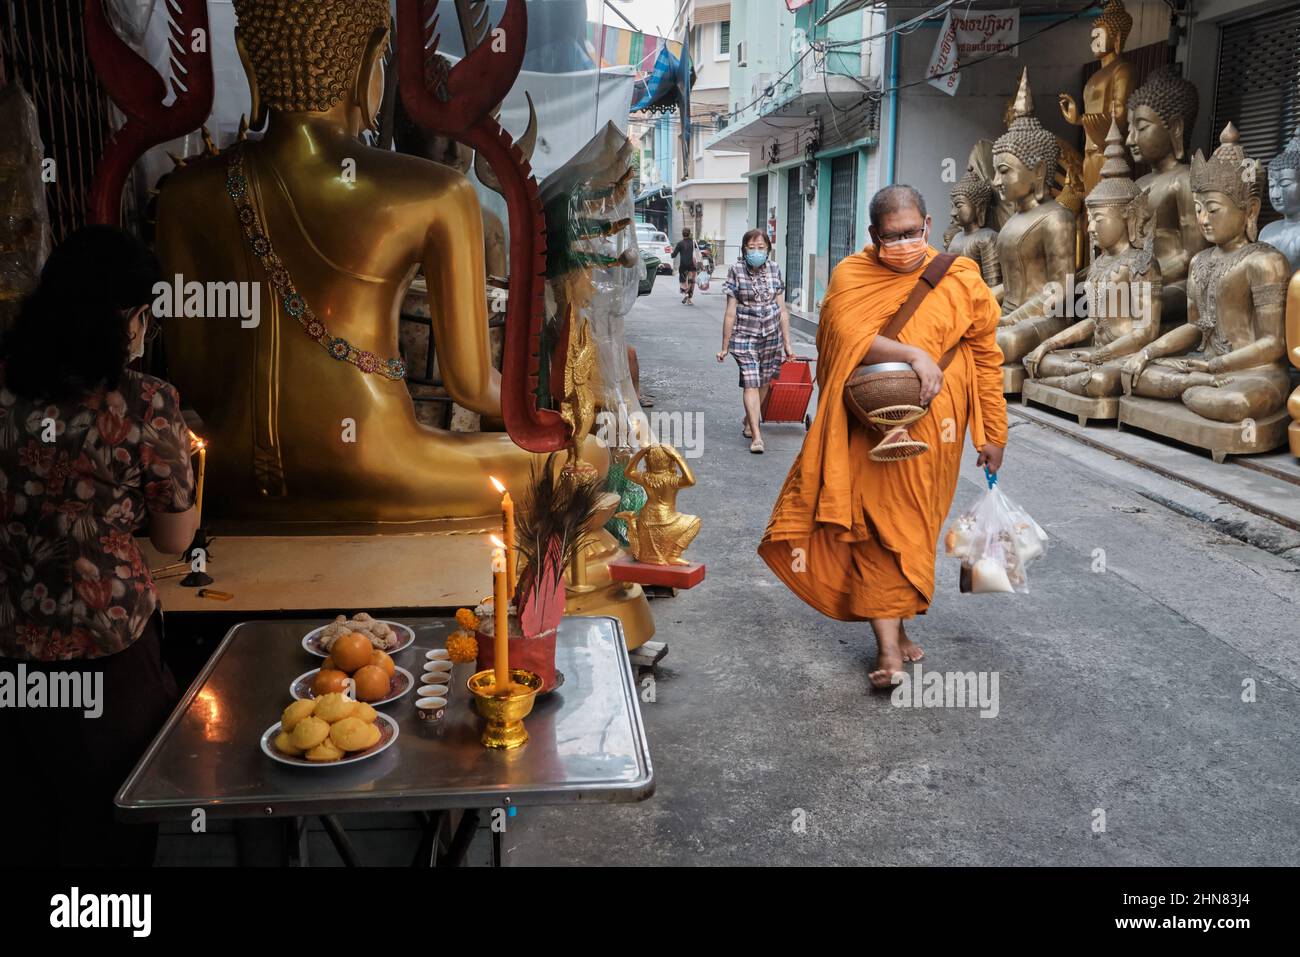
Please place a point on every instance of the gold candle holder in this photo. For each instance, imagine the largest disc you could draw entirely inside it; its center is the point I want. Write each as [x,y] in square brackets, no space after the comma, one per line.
[505,713]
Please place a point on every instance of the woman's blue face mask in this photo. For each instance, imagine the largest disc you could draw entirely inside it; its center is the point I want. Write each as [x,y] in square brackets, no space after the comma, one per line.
[755,257]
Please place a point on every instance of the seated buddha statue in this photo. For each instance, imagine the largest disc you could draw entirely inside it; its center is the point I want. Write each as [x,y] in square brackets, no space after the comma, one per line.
[1227,363]
[1105,95]
[1036,246]
[307,414]
[974,240]
[1162,112]
[1123,289]
[1284,195]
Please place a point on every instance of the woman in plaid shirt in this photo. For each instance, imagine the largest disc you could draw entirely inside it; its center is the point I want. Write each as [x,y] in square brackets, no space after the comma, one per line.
[756,330]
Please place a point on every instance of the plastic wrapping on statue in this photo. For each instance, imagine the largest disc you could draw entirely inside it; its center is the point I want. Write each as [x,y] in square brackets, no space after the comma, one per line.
[24,221]
[996,540]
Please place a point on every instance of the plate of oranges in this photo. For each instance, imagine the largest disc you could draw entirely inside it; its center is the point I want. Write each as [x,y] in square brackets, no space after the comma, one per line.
[365,673]
[329,730]
[313,644]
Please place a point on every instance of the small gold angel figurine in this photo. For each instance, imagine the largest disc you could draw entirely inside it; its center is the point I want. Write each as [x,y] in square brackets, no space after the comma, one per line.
[660,533]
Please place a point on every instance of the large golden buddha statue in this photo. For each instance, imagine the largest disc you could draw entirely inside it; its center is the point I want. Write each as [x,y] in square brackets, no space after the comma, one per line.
[1293,351]
[1105,95]
[1162,112]
[309,418]
[1123,290]
[1227,364]
[1036,245]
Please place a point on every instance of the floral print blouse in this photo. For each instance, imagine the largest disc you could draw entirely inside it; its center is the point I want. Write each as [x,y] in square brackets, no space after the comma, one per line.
[77,479]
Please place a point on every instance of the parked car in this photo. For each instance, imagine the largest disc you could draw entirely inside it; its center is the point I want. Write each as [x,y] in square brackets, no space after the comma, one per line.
[656,242]
[650,262]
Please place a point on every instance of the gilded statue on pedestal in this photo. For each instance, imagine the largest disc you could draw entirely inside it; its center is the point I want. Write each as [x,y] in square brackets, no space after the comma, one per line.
[1123,289]
[1227,364]
[1036,246]
[1284,194]
[1162,112]
[970,206]
[1105,95]
[659,534]
[332,231]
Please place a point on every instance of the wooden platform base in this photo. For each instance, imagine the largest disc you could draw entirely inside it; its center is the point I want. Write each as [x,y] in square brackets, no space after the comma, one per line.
[333,574]
[1082,407]
[1013,377]
[1175,421]
[644,573]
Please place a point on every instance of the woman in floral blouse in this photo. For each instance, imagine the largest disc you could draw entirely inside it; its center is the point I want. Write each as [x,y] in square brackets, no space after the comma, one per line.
[90,454]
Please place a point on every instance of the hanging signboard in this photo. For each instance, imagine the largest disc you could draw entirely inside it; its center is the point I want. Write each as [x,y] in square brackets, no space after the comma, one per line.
[984,33]
[942,71]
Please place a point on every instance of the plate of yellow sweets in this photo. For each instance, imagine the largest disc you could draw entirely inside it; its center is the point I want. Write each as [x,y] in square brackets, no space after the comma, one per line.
[330,730]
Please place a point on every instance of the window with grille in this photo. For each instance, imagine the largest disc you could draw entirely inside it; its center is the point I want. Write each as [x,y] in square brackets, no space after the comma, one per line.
[793,233]
[1258,86]
[724,37]
[844,194]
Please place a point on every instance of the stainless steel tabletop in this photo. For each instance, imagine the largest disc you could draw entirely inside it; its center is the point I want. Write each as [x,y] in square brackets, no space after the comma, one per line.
[586,743]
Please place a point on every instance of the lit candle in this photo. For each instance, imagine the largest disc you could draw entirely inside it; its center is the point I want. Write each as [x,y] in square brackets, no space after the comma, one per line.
[500,619]
[203,461]
[508,534]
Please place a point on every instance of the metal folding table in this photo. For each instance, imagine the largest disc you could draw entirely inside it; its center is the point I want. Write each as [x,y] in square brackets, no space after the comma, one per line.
[587,743]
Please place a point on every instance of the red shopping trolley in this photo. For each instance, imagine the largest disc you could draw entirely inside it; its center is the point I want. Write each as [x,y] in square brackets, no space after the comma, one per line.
[788,396]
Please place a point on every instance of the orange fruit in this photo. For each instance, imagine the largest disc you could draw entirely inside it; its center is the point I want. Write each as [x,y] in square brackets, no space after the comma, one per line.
[351,652]
[328,664]
[328,682]
[372,683]
[381,659]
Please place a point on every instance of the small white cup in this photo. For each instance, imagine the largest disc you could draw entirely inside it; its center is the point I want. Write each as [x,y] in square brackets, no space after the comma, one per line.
[430,709]
[432,691]
[437,654]
[438,666]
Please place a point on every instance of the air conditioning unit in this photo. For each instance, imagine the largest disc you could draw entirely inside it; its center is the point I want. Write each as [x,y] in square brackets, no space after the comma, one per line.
[742,48]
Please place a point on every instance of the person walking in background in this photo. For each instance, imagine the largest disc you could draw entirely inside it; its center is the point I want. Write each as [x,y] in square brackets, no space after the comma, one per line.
[756,328]
[686,253]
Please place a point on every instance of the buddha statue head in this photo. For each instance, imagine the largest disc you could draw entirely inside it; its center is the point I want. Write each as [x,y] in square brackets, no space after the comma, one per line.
[1117,212]
[1227,192]
[314,57]
[1026,154]
[1161,113]
[970,200]
[1110,29]
[1284,179]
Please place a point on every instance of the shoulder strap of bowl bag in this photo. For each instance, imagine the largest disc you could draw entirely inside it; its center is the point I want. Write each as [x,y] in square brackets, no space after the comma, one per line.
[930,278]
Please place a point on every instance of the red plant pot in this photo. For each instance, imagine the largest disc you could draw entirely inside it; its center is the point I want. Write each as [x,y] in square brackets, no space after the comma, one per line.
[536,654]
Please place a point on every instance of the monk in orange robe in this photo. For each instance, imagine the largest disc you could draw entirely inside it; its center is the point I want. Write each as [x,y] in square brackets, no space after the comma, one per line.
[856,538]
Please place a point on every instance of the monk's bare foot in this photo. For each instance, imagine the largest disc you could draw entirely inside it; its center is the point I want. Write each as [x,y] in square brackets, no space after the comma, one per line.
[909,649]
[889,662]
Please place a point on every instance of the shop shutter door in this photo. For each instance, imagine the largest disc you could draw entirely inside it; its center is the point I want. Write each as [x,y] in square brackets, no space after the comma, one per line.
[1258,86]
[793,234]
[844,188]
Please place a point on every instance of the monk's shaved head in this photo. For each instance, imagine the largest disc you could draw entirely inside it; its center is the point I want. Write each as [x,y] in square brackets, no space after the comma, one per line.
[894,198]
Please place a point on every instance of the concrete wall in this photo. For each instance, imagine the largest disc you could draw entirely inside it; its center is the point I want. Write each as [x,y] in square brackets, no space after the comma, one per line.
[934,127]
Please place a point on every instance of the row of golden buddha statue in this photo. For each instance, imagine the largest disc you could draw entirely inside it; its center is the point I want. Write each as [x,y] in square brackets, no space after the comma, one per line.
[1180,324]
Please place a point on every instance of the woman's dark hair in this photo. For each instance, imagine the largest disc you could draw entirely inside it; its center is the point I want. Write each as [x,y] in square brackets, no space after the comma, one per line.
[71,336]
[752,235]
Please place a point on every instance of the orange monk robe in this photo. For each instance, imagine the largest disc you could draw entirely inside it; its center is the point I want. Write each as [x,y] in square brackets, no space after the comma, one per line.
[856,538]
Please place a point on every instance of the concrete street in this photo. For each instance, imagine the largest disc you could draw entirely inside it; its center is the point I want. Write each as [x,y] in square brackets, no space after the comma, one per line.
[1121,677]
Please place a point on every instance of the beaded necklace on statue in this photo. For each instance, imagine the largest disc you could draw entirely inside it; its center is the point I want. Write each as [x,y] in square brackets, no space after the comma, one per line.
[292,301]
[1207,270]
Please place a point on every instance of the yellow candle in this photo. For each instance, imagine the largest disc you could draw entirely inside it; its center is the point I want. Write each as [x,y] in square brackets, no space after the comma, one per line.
[508,535]
[501,619]
[203,461]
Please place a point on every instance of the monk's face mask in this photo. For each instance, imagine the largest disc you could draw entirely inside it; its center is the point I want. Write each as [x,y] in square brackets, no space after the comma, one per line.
[904,255]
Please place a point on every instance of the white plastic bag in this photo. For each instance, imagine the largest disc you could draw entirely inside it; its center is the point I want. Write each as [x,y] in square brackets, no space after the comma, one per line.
[995,541]
[702,281]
